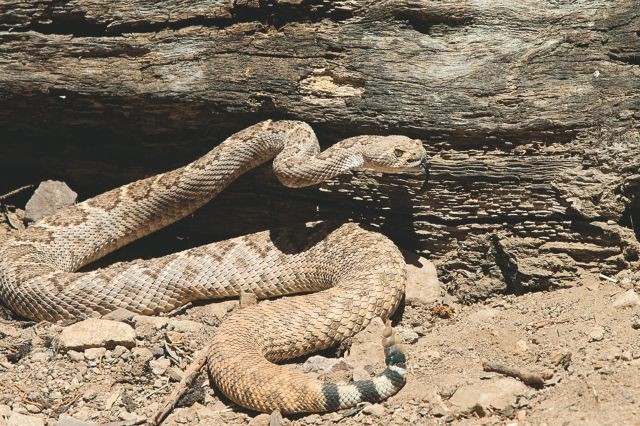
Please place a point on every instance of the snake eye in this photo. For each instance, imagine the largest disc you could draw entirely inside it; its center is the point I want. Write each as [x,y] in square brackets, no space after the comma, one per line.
[398,152]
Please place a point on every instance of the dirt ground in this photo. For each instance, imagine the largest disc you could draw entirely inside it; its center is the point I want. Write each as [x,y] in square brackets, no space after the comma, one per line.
[579,339]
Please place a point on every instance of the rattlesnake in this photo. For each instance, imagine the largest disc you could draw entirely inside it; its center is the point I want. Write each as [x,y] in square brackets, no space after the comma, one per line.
[362,273]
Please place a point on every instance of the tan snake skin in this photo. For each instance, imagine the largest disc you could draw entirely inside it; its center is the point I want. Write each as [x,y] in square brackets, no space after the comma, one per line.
[361,273]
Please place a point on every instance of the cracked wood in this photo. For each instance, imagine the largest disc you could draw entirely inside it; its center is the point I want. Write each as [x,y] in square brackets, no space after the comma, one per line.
[529,112]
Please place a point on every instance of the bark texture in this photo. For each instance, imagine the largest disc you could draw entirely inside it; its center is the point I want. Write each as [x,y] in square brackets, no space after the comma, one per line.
[530,111]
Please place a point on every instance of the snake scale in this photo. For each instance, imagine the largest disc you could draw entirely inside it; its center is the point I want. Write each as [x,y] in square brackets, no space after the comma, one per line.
[361,273]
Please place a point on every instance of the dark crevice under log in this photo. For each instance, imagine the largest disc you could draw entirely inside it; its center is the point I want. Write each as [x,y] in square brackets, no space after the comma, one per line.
[529,111]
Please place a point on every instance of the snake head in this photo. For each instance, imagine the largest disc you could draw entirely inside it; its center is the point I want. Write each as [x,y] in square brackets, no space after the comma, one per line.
[395,154]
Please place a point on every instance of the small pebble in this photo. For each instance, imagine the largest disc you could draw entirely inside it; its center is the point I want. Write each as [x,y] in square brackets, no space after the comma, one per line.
[407,335]
[260,420]
[627,300]
[275,419]
[94,354]
[375,410]
[521,346]
[159,366]
[75,356]
[596,334]
[40,357]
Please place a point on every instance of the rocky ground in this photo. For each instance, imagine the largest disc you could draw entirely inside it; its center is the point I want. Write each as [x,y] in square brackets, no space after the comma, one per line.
[581,343]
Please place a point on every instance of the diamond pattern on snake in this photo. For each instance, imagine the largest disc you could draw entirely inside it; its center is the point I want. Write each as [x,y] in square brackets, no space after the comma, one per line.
[339,277]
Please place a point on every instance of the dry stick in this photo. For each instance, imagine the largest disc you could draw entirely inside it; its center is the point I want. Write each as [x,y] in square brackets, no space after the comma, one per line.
[5,210]
[14,192]
[532,379]
[189,376]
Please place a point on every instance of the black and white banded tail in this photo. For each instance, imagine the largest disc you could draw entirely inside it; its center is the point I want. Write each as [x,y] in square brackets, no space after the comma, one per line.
[340,396]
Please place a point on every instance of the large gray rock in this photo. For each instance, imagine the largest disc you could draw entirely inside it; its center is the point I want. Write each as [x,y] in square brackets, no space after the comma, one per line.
[50,197]
[629,299]
[423,286]
[96,333]
[485,397]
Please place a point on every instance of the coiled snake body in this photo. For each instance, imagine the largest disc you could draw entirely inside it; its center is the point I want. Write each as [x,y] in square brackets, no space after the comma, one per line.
[361,273]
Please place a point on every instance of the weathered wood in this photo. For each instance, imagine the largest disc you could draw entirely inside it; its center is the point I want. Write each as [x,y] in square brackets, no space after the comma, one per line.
[529,110]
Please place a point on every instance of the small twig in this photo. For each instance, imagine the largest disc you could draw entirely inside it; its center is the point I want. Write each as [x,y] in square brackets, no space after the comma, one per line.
[189,376]
[595,394]
[14,192]
[21,393]
[5,212]
[532,379]
[545,322]
[126,423]
[69,401]
[157,390]
[604,277]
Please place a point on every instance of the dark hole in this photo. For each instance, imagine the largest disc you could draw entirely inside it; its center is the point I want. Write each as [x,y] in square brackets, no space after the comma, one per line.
[631,218]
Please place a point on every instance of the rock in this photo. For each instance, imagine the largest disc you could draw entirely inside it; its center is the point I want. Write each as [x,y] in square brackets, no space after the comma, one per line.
[612,353]
[375,410]
[33,408]
[366,346]
[483,398]
[66,420]
[407,335]
[5,410]
[247,299]
[132,418]
[275,419]
[521,346]
[75,356]
[120,314]
[18,419]
[142,354]
[50,197]
[147,326]
[94,353]
[119,351]
[320,364]
[596,334]
[96,333]
[260,420]
[40,357]
[160,366]
[627,300]
[423,286]
[184,326]
[436,404]
[175,374]
[157,351]
[174,337]
[90,394]
[205,414]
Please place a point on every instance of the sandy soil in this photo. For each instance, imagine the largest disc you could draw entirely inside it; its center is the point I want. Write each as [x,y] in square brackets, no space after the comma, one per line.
[586,347]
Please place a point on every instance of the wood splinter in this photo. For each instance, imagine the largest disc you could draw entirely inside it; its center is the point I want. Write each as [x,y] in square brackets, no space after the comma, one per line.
[170,401]
[529,378]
